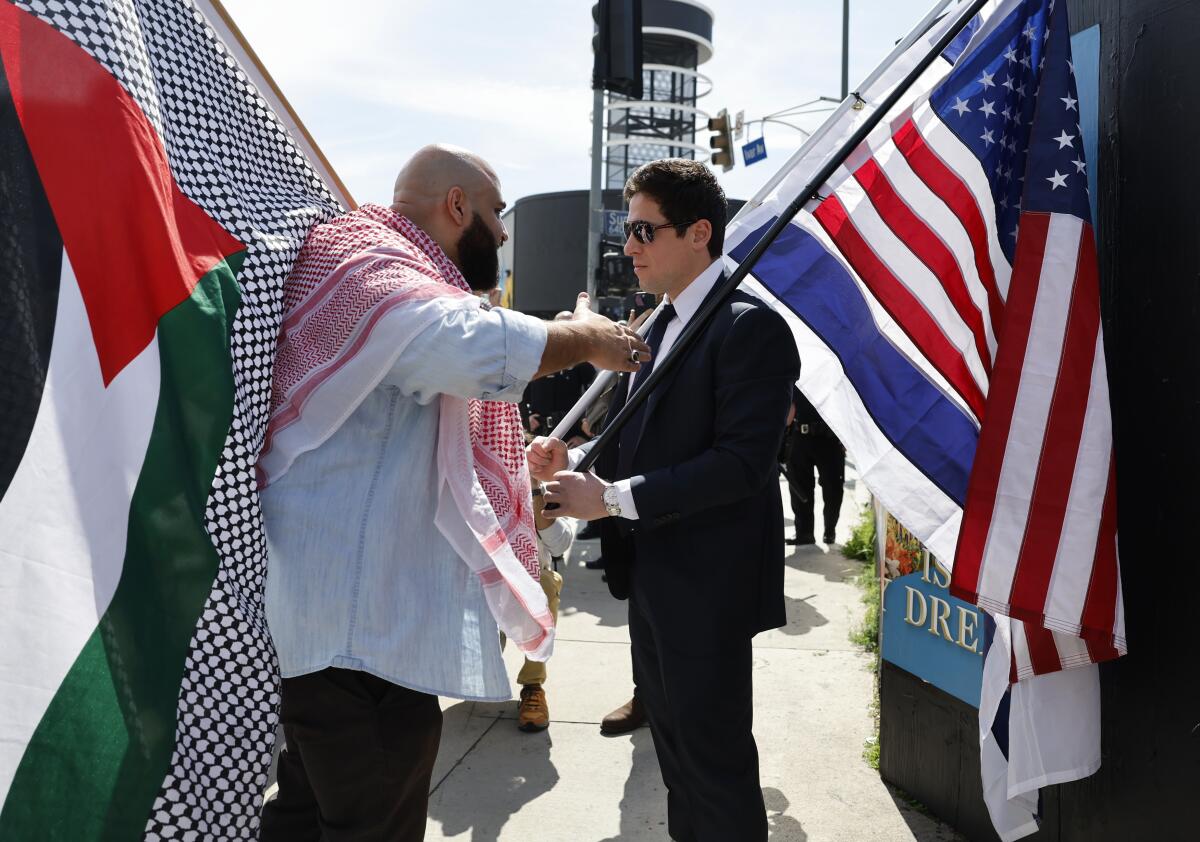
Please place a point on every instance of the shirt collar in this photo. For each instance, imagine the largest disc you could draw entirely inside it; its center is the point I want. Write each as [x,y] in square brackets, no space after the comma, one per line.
[693,296]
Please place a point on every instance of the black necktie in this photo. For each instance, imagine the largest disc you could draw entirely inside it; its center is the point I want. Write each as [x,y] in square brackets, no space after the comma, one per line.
[654,339]
[632,430]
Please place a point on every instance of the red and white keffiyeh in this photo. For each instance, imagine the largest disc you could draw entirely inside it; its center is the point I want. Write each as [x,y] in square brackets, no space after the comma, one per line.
[344,326]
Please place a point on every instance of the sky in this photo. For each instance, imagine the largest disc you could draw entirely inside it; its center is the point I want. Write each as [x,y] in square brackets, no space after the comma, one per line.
[377,79]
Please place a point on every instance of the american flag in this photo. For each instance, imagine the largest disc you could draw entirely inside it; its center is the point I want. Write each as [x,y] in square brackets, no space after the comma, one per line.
[944,292]
[942,288]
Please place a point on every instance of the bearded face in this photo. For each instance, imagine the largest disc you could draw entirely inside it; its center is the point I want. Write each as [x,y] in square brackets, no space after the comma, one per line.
[479,256]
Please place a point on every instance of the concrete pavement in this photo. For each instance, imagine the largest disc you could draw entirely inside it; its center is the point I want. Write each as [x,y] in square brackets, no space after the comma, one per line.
[812,687]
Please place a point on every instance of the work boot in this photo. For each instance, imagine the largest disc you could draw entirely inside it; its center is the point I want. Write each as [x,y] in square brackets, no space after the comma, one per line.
[628,717]
[532,713]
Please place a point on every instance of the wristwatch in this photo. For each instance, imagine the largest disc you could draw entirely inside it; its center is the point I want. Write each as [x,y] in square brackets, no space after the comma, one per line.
[611,503]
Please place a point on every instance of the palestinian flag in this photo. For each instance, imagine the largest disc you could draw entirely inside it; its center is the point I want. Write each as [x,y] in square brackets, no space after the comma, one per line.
[152,206]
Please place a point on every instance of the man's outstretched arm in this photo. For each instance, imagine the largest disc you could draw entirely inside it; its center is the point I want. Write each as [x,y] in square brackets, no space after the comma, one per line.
[590,337]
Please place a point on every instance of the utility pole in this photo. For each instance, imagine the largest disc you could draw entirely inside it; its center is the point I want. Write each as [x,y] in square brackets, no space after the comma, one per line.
[595,211]
[845,48]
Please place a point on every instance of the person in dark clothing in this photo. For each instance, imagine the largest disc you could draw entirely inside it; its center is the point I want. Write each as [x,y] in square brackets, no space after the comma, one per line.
[688,497]
[811,444]
[548,399]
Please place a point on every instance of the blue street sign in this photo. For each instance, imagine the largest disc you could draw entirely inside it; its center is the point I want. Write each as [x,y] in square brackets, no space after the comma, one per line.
[754,151]
[613,221]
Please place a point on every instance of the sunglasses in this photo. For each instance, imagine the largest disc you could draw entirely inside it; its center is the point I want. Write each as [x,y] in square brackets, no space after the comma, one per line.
[643,231]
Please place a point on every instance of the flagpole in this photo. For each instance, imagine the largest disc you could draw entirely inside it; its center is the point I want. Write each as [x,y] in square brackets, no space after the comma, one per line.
[847,103]
[700,321]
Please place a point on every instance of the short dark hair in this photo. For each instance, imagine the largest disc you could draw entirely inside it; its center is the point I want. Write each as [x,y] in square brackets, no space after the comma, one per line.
[685,190]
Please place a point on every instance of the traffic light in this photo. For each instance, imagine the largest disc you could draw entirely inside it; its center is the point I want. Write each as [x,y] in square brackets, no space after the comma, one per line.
[617,45]
[721,142]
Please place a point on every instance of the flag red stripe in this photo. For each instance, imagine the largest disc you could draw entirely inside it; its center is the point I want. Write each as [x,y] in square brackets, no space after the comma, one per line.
[928,248]
[958,197]
[1043,654]
[137,245]
[1100,608]
[1060,444]
[1099,652]
[1002,398]
[899,302]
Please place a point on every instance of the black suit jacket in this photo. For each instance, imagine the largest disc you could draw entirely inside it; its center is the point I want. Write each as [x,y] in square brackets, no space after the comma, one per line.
[704,561]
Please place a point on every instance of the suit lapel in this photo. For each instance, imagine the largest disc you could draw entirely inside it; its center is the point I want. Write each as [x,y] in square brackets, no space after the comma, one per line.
[655,397]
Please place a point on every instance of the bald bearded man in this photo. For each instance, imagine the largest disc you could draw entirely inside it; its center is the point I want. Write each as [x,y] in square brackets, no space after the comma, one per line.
[397,503]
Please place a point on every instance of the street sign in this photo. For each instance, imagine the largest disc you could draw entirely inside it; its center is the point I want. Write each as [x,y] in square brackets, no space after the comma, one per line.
[613,220]
[754,151]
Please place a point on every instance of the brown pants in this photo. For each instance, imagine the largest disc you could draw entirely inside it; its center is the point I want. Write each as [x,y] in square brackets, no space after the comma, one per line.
[359,757]
[534,672]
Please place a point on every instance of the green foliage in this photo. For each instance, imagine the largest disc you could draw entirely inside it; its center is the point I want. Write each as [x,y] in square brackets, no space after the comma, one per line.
[861,547]
[866,634]
[862,539]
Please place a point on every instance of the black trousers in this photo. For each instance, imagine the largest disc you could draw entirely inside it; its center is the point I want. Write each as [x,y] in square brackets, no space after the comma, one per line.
[359,756]
[701,712]
[828,457]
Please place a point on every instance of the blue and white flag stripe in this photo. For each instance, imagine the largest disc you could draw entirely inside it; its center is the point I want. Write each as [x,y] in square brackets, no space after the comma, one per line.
[895,279]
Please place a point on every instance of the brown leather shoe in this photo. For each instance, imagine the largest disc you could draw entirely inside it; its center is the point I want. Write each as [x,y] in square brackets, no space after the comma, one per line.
[532,713]
[628,717]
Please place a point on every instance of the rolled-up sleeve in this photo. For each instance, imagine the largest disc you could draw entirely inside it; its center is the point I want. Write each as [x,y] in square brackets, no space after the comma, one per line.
[470,352]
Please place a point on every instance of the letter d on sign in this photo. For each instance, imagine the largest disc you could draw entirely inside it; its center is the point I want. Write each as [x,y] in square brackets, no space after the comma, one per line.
[911,592]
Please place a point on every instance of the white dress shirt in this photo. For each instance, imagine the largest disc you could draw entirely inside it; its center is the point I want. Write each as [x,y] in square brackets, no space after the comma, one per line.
[686,305]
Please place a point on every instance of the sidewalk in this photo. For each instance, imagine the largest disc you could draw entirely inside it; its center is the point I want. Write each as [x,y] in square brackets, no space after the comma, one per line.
[812,689]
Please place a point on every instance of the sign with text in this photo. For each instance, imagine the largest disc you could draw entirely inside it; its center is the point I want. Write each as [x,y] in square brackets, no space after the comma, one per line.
[613,220]
[925,631]
[754,151]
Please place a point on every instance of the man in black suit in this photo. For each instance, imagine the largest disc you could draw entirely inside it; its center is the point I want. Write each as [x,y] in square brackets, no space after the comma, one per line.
[693,519]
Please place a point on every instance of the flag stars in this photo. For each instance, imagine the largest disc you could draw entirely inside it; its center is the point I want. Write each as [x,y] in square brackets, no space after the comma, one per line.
[1011,55]
[1080,165]
[986,80]
[1008,82]
[1065,140]
[988,109]
[960,106]
[1070,102]
[987,137]
[1013,233]
[1071,66]
[1057,180]
[1029,32]
[1021,90]
[1025,62]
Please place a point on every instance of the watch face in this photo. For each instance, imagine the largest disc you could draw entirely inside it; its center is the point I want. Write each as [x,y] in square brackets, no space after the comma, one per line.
[610,501]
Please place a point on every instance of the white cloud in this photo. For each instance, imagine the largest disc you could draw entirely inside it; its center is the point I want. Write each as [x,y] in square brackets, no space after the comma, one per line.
[512,81]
